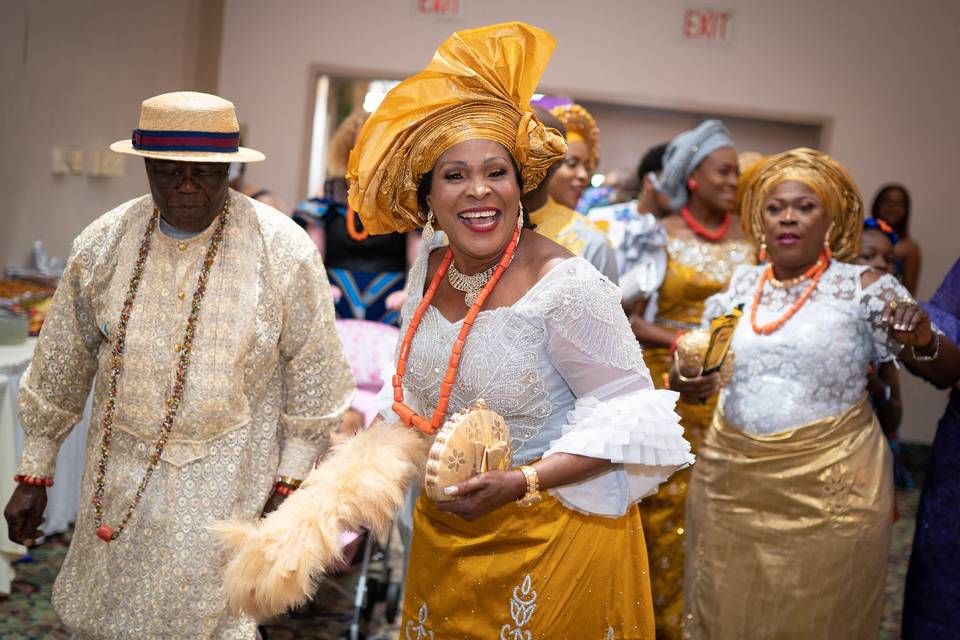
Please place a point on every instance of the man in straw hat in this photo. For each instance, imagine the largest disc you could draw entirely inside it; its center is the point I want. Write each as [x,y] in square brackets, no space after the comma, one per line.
[206,318]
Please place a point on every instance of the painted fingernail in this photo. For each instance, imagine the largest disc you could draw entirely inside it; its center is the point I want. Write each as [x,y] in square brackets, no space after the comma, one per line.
[451,490]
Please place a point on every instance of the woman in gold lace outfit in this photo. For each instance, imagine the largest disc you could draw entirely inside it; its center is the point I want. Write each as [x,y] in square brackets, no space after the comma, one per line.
[703,244]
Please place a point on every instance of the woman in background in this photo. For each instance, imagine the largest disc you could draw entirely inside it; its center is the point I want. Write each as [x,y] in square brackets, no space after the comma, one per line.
[892,205]
[704,244]
[365,269]
[789,510]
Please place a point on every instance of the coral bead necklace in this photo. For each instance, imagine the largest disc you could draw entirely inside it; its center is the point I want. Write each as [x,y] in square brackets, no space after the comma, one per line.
[813,274]
[695,226]
[408,415]
[105,532]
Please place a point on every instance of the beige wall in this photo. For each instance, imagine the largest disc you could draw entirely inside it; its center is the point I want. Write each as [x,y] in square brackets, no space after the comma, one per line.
[73,73]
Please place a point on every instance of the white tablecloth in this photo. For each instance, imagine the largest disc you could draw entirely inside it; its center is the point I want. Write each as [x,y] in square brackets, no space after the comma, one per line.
[63,499]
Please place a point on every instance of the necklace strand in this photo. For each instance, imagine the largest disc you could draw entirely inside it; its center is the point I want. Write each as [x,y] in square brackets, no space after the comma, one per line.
[407,415]
[695,226]
[105,532]
[814,274]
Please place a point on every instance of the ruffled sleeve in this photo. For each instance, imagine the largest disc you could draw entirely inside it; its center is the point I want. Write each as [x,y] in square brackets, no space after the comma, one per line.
[643,256]
[618,414]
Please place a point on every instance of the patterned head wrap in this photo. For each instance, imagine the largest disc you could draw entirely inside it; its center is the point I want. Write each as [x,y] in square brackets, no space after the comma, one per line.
[581,127]
[478,86]
[827,177]
[684,154]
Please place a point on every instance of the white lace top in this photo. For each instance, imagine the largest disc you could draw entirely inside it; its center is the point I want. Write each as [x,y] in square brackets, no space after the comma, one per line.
[564,370]
[815,365]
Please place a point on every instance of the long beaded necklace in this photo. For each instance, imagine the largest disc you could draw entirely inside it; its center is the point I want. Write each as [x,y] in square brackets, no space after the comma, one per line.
[105,532]
[813,273]
[702,231]
[407,415]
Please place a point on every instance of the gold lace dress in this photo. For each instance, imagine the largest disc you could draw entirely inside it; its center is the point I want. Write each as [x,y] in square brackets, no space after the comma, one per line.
[696,270]
[267,383]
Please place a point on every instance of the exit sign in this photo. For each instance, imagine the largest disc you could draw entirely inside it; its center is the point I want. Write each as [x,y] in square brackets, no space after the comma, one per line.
[708,26]
[439,8]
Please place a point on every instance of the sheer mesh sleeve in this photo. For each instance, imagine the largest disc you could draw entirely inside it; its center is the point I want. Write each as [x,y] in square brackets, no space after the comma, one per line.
[618,414]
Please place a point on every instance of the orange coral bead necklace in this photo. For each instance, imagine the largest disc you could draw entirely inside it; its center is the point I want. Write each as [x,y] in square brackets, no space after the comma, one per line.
[813,274]
[407,415]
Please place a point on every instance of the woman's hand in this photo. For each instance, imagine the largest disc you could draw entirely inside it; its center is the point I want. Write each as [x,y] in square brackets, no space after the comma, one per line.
[694,390]
[909,324]
[485,492]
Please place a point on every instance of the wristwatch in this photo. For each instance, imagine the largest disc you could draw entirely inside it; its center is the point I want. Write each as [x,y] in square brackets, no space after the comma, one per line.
[532,496]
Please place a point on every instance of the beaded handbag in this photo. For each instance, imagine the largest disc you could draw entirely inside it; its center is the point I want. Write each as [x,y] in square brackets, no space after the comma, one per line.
[470,442]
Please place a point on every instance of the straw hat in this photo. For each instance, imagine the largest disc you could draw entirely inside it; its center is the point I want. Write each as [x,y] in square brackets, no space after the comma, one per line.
[189,127]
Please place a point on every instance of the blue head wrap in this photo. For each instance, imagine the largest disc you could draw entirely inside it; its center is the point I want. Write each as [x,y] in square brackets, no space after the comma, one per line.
[684,154]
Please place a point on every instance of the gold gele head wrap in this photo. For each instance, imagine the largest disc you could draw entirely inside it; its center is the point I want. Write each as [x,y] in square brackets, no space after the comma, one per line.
[478,86]
[581,127]
[827,177]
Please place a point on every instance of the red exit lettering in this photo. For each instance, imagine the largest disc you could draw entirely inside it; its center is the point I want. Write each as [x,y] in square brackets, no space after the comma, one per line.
[439,7]
[707,25]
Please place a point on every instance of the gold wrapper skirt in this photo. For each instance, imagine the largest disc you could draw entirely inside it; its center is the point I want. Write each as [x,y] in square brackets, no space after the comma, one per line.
[788,534]
[521,573]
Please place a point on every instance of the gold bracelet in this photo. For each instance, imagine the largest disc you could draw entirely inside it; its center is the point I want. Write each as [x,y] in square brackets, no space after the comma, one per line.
[532,496]
[293,483]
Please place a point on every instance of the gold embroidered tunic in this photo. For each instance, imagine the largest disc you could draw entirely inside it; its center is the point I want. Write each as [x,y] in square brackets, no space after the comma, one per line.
[267,383]
[696,269]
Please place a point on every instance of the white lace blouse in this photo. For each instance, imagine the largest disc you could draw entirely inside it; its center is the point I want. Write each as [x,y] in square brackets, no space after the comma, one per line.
[564,370]
[815,365]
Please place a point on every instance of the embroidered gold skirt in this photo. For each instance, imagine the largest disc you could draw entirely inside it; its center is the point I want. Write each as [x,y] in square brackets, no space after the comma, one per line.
[521,573]
[788,534]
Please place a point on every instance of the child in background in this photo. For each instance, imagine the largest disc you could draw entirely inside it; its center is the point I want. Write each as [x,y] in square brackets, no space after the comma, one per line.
[883,382]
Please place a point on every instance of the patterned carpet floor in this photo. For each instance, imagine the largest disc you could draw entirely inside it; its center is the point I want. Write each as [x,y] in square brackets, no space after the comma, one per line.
[28,615]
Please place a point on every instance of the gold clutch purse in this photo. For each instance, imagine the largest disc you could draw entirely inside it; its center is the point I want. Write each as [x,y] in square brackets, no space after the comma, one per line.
[470,442]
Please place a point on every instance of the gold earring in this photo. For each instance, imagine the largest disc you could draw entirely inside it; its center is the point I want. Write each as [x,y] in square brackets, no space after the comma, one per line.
[520,218]
[428,230]
[763,251]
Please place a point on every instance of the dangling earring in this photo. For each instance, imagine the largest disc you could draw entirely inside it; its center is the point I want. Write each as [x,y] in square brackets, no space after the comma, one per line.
[763,251]
[692,184]
[826,248]
[520,218]
[428,232]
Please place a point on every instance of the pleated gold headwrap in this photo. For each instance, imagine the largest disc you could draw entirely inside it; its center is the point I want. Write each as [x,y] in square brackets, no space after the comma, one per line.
[827,177]
[478,86]
[580,126]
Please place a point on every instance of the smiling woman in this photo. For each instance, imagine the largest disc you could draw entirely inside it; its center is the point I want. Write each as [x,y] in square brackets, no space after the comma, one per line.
[794,465]
[539,337]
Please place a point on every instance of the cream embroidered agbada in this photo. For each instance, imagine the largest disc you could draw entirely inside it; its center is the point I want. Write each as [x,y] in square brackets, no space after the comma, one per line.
[267,384]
